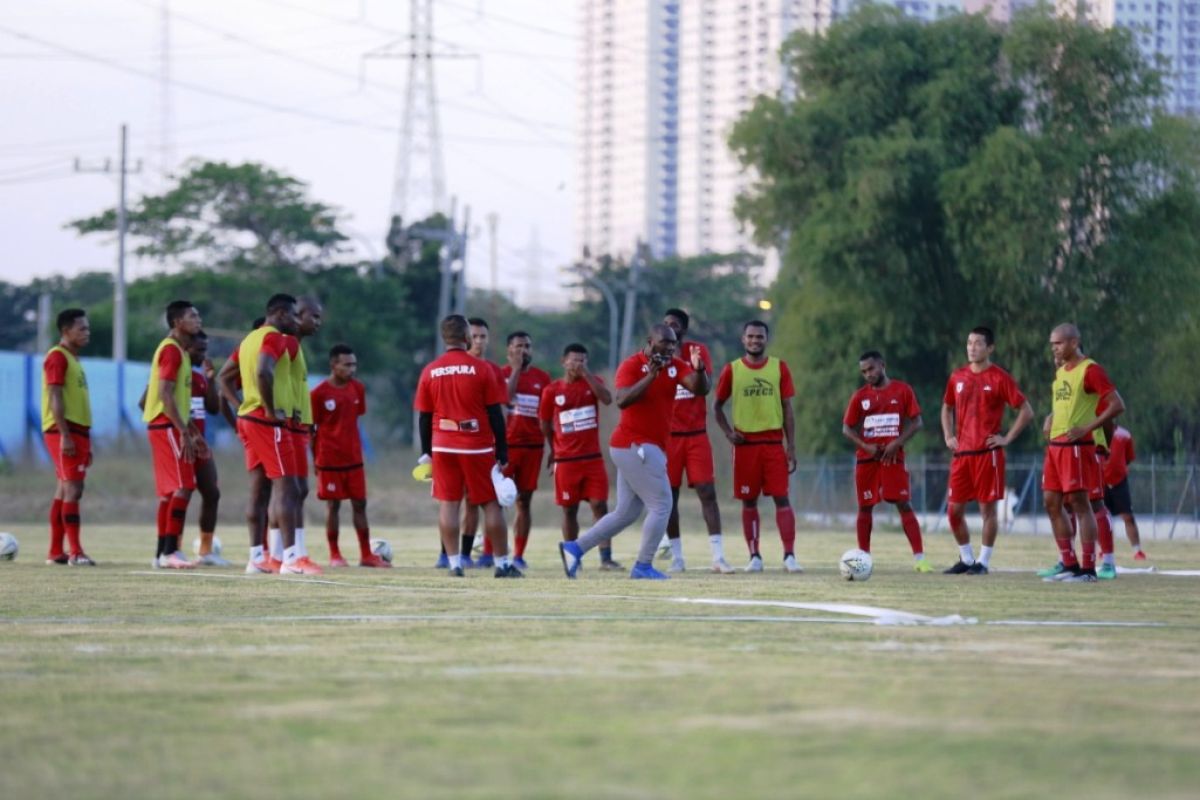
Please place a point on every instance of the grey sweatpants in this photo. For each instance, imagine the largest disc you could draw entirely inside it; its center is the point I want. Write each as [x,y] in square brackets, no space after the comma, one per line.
[641,482]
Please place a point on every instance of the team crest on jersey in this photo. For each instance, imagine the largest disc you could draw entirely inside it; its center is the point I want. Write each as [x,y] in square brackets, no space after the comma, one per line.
[329,487]
[330,404]
[866,404]
[560,399]
[958,387]
[672,372]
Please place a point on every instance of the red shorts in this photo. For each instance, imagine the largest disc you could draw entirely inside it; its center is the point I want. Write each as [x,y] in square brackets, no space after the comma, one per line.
[585,479]
[1070,468]
[977,476]
[72,468]
[301,441]
[457,473]
[876,482]
[171,472]
[524,464]
[342,483]
[267,445]
[1096,491]
[693,453]
[759,468]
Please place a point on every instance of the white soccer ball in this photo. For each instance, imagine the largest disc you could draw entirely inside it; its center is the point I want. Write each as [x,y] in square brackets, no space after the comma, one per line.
[856,565]
[9,547]
[381,548]
[216,548]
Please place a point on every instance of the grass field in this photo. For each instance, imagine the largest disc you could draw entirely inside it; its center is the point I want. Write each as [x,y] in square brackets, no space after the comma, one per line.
[120,682]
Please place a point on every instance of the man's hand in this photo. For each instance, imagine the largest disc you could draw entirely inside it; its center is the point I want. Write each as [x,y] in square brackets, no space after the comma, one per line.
[209,370]
[735,437]
[67,445]
[952,443]
[1047,425]
[872,450]
[889,452]
[655,365]
[1077,433]
[516,361]
[697,360]
[996,440]
[189,449]
[201,446]
[791,459]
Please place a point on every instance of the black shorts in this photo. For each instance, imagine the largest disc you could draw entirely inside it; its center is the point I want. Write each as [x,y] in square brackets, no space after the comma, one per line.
[1117,499]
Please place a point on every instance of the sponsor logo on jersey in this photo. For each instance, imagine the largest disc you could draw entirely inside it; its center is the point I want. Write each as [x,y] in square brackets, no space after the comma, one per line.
[761,388]
[1063,392]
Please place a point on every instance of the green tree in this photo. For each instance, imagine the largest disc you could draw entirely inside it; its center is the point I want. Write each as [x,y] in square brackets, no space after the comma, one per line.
[927,178]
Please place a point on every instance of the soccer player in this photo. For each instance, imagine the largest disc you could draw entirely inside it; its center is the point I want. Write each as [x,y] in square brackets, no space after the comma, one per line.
[480,337]
[645,385]
[1116,487]
[972,411]
[337,403]
[880,419]
[263,362]
[66,430]
[462,431]
[205,401]
[174,438]
[691,451]
[309,312]
[1071,468]
[524,383]
[763,436]
[570,417]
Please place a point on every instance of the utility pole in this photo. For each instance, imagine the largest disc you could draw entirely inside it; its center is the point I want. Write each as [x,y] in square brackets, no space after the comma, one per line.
[493,222]
[166,121]
[119,345]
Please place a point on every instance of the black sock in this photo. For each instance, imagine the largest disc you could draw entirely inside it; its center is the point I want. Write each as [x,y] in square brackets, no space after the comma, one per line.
[159,547]
[468,544]
[169,544]
[605,554]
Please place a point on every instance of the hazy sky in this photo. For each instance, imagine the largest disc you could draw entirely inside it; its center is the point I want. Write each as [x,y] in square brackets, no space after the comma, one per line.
[71,72]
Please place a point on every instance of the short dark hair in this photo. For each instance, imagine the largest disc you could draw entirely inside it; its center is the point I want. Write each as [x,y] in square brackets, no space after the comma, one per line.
[258,323]
[340,350]
[679,314]
[279,301]
[871,355]
[175,310]
[574,347]
[67,317]
[516,335]
[756,323]
[478,322]
[454,329]
[986,333]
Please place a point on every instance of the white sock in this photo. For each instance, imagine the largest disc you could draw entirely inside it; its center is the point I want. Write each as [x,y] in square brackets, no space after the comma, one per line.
[1111,559]
[918,556]
[664,542]
[965,554]
[291,554]
[985,555]
[1137,548]
[676,548]
[275,541]
[504,561]
[256,552]
[300,546]
[718,547]
[455,561]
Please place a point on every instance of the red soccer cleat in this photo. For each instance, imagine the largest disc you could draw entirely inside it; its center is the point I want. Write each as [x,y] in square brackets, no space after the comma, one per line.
[372,560]
[338,561]
[301,566]
[1139,556]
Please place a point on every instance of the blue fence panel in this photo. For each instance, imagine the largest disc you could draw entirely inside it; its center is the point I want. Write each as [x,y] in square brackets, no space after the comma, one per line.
[12,404]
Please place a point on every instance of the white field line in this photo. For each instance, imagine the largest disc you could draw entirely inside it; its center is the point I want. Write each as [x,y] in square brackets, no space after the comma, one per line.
[880,616]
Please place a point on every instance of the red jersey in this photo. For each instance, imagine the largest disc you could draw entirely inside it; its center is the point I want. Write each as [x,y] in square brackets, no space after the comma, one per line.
[457,388]
[881,412]
[645,420]
[787,390]
[170,359]
[978,400]
[1120,456]
[691,412]
[55,368]
[574,411]
[336,410]
[199,413]
[523,427]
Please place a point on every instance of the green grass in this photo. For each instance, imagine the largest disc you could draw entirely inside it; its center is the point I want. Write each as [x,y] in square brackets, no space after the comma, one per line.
[118,684]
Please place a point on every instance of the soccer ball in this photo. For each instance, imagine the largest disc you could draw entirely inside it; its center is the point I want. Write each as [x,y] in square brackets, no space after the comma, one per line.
[9,546]
[856,565]
[216,548]
[381,548]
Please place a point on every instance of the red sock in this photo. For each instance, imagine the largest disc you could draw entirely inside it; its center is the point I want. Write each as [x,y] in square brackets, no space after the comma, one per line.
[163,503]
[70,518]
[1104,532]
[864,523]
[57,531]
[750,528]
[785,518]
[487,546]
[1066,552]
[364,541]
[912,529]
[331,536]
[519,543]
[176,515]
[1087,557]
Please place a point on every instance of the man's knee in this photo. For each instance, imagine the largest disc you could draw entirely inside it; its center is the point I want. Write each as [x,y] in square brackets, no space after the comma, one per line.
[782,501]
[706,492]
